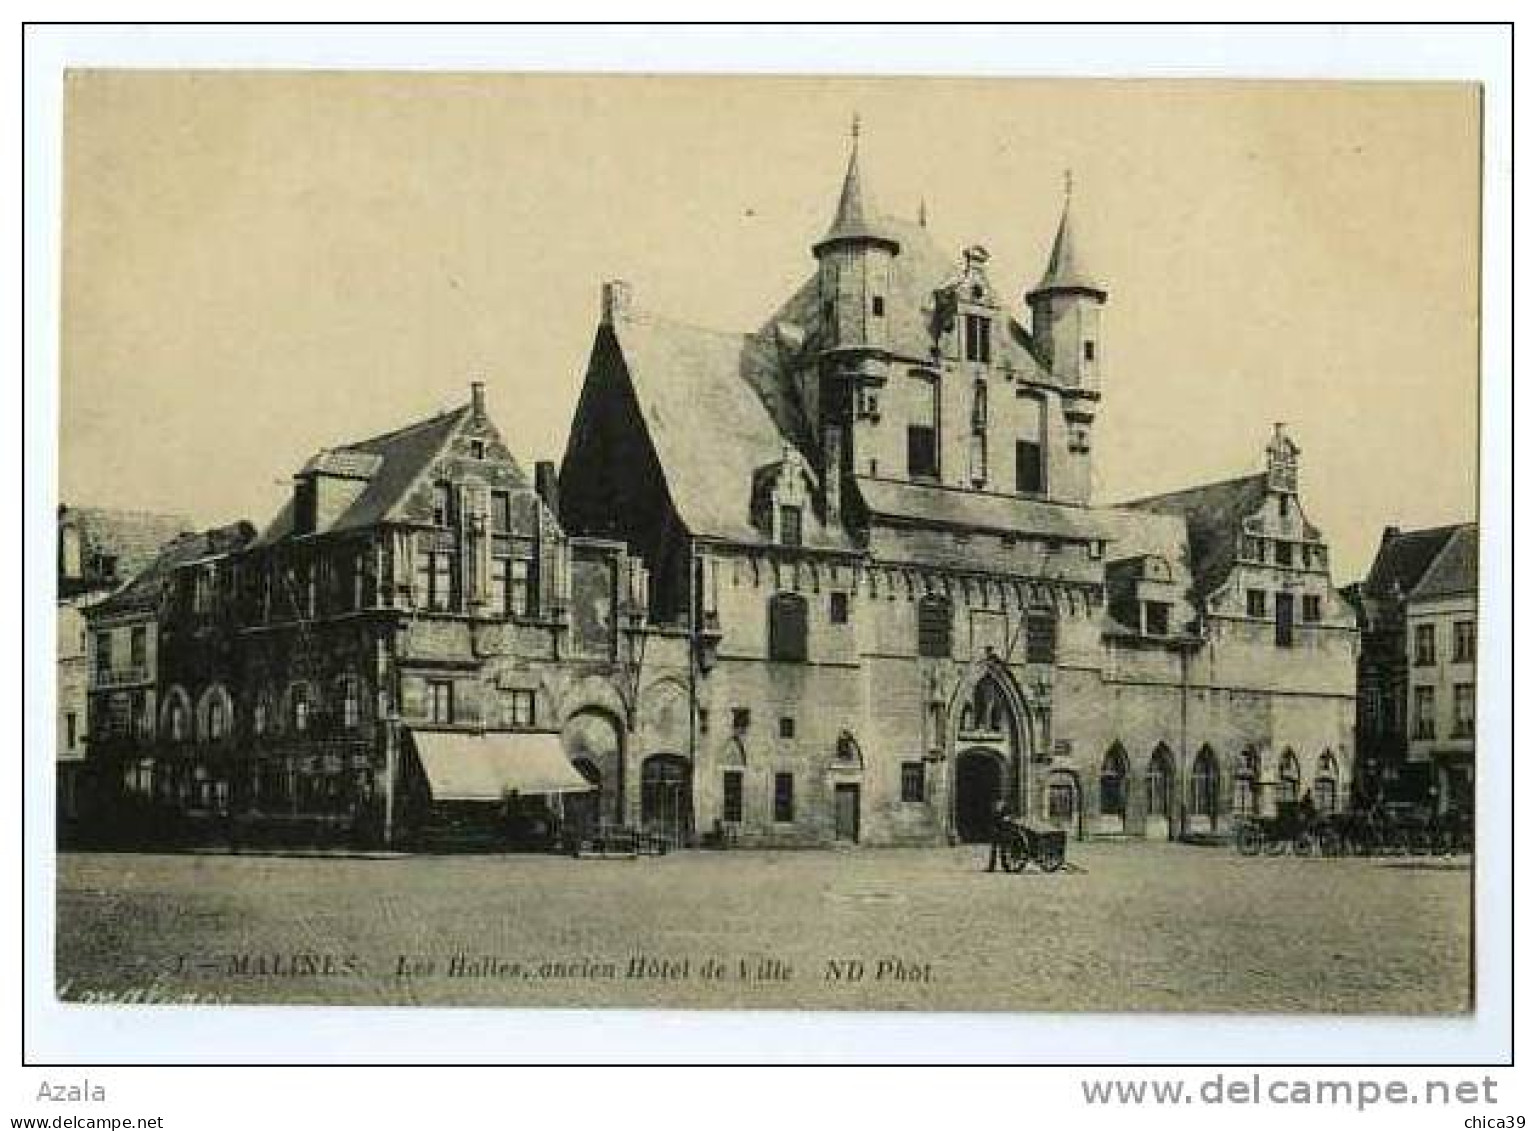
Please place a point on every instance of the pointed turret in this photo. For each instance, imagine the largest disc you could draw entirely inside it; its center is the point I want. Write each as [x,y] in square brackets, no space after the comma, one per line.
[1065,271]
[1066,305]
[854,224]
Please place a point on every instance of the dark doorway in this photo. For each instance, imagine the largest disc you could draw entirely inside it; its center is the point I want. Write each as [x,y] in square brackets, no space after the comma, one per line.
[845,812]
[978,785]
[666,797]
[582,810]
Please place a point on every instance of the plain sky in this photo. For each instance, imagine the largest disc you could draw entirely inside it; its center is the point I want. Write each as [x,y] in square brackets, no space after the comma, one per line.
[260,265]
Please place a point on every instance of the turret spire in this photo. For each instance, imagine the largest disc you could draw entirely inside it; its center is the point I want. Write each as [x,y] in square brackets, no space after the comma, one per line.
[1065,271]
[853,222]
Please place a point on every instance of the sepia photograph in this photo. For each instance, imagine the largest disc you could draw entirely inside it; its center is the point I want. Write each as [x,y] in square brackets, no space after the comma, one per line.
[810,542]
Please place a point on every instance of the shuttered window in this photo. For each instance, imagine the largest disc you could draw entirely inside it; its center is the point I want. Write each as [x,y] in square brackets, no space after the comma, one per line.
[1040,637]
[787,627]
[934,624]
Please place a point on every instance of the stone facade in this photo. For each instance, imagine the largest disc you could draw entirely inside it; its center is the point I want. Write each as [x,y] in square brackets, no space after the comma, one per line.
[874,514]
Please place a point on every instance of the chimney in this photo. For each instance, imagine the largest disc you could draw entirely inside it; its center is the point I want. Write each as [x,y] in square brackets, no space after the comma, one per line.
[477,397]
[832,473]
[547,484]
[616,300]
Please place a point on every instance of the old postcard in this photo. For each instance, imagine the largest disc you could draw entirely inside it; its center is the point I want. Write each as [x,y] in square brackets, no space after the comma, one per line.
[768,543]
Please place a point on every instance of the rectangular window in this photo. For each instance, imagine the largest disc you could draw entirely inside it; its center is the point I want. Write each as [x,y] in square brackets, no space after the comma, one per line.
[1285,618]
[787,628]
[1423,712]
[741,719]
[1258,603]
[1029,468]
[69,731]
[978,447]
[1465,704]
[934,624]
[501,586]
[1282,553]
[1156,618]
[790,533]
[299,708]
[978,338]
[103,653]
[786,727]
[837,608]
[501,511]
[731,797]
[1424,645]
[349,703]
[440,583]
[912,774]
[477,449]
[1311,608]
[440,701]
[877,306]
[520,708]
[442,504]
[138,646]
[1464,650]
[703,720]
[1040,638]
[1088,350]
[783,798]
[1253,548]
[922,452]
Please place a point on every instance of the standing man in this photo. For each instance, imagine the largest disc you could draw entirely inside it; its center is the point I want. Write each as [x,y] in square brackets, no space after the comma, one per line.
[999,831]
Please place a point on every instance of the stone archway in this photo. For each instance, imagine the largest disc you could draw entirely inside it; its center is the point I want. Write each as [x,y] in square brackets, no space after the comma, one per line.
[980,779]
[594,737]
[988,718]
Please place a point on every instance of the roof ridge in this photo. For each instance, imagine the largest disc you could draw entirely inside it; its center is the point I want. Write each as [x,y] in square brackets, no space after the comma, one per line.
[1187,490]
[396,433]
[1457,530]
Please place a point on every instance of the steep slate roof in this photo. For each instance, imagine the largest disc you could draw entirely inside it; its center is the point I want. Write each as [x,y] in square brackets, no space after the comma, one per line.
[947,506]
[134,538]
[1214,513]
[711,431]
[852,222]
[395,458]
[1403,559]
[1453,572]
[143,592]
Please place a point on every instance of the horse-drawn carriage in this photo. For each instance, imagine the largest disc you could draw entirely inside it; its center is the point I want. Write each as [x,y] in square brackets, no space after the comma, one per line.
[1019,843]
[1388,829]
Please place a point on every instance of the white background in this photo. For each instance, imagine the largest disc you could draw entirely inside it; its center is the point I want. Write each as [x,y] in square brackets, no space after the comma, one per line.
[306,1098]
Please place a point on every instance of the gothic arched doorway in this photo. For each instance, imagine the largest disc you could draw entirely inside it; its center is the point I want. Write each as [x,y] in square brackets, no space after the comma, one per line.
[666,797]
[979,779]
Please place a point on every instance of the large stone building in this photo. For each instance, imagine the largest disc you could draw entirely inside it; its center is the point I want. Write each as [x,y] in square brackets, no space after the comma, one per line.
[874,516]
[411,630]
[838,579]
[1418,666]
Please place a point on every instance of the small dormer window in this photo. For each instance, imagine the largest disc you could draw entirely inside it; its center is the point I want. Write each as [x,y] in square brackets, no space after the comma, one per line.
[477,449]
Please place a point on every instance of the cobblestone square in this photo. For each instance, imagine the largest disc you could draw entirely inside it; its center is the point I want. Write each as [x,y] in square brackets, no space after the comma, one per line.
[1125,927]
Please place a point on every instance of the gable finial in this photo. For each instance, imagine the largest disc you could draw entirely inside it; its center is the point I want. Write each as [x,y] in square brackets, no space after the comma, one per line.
[1066,182]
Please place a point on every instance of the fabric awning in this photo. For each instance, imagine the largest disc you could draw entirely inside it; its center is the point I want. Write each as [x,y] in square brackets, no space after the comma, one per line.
[487,767]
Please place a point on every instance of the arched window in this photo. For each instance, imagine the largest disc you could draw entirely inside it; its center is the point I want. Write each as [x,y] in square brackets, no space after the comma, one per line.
[787,629]
[1325,784]
[177,715]
[260,710]
[1290,778]
[1244,783]
[299,708]
[1158,781]
[1112,776]
[218,723]
[1203,783]
[934,624]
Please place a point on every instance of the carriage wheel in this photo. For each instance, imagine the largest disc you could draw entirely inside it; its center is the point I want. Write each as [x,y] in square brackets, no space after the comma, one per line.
[1249,840]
